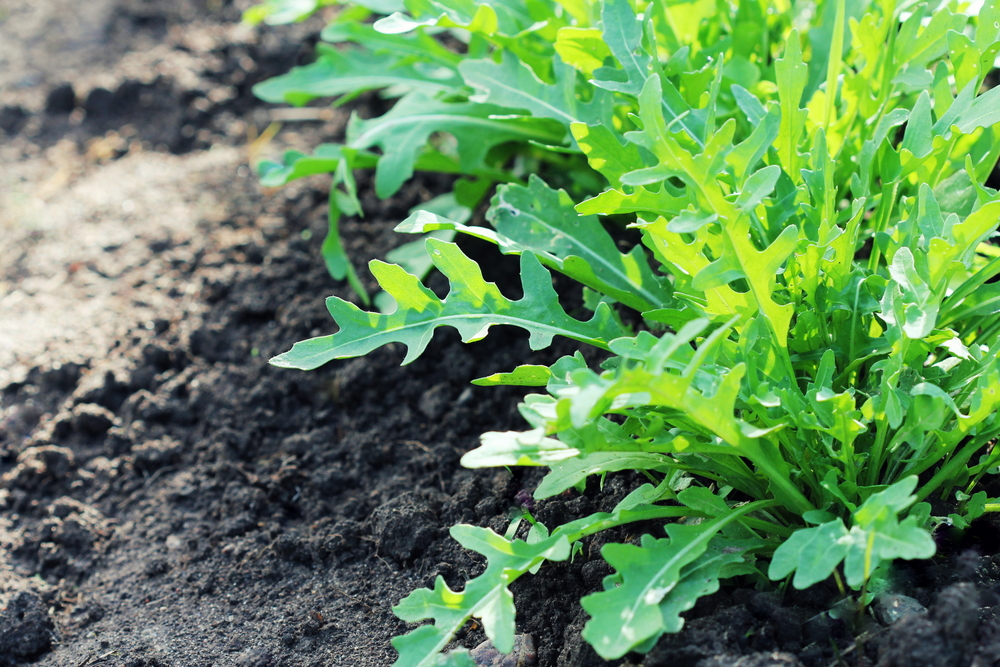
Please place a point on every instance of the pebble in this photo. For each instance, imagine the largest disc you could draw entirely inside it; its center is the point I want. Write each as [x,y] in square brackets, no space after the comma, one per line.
[892,607]
[524,654]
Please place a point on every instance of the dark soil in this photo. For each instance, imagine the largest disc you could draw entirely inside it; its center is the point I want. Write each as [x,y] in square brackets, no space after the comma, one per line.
[169,499]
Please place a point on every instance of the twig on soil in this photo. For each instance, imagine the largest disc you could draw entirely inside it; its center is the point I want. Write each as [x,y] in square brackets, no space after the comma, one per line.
[303,114]
[152,478]
[419,445]
[257,144]
[858,642]
[351,597]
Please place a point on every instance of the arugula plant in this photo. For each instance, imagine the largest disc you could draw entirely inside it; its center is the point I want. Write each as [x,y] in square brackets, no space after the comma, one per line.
[818,353]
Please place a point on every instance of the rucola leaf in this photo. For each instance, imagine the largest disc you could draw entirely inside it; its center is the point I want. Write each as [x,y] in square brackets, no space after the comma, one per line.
[512,85]
[656,581]
[486,596]
[623,35]
[792,76]
[542,221]
[339,72]
[472,307]
[404,130]
[876,534]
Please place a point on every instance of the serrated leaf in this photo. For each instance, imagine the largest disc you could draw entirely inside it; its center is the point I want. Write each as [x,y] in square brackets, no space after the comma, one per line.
[485,596]
[745,156]
[511,84]
[876,534]
[623,34]
[658,581]
[338,72]
[605,151]
[513,448]
[792,74]
[567,474]
[527,375]
[812,553]
[543,221]
[641,200]
[404,130]
[472,307]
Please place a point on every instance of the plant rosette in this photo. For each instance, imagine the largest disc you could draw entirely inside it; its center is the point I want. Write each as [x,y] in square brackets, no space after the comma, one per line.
[817,346]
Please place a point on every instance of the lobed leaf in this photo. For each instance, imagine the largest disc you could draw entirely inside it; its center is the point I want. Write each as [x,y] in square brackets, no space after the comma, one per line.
[472,307]
[485,596]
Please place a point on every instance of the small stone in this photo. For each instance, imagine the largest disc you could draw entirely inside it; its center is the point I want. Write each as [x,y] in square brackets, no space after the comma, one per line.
[25,628]
[91,419]
[524,654]
[12,118]
[890,608]
[435,401]
[61,99]
[155,454]
[98,102]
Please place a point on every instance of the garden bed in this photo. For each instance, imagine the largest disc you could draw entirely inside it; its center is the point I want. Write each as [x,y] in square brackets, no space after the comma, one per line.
[170,499]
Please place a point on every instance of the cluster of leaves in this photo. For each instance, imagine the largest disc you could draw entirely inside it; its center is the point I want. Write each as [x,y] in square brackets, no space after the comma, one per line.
[819,348]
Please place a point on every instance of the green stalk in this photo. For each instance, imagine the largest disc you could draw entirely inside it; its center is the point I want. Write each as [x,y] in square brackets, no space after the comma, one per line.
[974,282]
[957,462]
[834,64]
[577,532]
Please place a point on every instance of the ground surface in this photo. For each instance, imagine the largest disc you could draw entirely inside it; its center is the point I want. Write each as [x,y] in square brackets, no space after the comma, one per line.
[168,499]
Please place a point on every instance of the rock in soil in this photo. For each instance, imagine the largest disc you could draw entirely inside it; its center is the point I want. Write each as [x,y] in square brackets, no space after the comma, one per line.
[26,631]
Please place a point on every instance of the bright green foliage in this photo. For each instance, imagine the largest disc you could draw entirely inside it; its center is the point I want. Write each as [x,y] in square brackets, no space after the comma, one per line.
[814,346]
[542,221]
[402,133]
[472,307]
[877,535]
[640,603]
[486,596]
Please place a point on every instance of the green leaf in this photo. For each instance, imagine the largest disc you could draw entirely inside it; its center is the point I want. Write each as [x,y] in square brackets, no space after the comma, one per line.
[657,581]
[581,48]
[527,375]
[876,535]
[792,75]
[512,448]
[338,72]
[605,152]
[623,34]
[812,553]
[485,596]
[512,85]
[472,307]
[567,474]
[983,112]
[759,185]
[404,130]
[295,164]
[745,156]
[542,221]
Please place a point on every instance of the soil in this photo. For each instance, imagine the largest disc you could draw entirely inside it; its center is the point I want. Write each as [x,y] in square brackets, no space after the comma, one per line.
[169,499]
